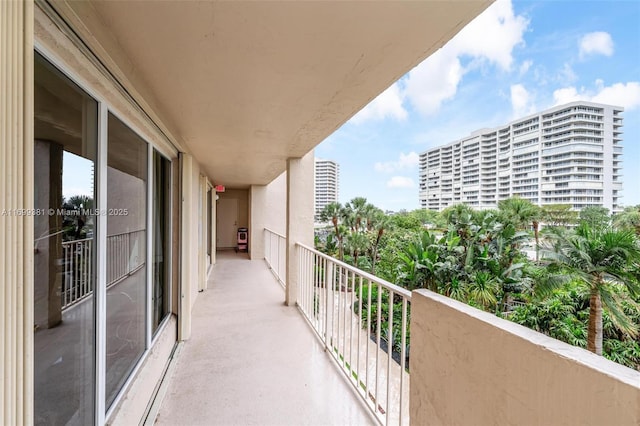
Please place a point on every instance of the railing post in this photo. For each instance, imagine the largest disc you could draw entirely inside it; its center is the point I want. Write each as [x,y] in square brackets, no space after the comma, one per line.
[328,310]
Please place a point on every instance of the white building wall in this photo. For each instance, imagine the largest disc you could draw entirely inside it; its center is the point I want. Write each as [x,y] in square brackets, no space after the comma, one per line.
[569,154]
[326,183]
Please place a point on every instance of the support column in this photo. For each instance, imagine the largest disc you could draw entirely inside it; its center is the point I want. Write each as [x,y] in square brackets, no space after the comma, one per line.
[16,231]
[187,254]
[48,246]
[257,220]
[299,217]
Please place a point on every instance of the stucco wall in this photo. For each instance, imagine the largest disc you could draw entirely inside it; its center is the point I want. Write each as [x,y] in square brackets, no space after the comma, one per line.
[469,367]
[268,205]
[242,195]
[276,205]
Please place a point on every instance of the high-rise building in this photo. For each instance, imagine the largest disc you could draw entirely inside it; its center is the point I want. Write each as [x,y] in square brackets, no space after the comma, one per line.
[327,183]
[568,154]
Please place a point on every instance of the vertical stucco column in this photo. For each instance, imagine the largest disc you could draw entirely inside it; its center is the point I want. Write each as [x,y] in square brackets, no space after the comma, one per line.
[16,231]
[257,220]
[187,251]
[299,217]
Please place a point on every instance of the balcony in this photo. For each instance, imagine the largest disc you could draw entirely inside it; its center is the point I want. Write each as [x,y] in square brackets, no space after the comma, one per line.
[252,360]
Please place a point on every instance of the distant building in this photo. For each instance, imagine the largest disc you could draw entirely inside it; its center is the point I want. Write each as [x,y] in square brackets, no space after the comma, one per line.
[568,154]
[327,183]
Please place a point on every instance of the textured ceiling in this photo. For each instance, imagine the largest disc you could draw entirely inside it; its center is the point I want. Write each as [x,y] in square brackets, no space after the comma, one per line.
[245,85]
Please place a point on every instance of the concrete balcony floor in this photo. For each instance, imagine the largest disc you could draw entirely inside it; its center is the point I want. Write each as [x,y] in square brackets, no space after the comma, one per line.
[253,360]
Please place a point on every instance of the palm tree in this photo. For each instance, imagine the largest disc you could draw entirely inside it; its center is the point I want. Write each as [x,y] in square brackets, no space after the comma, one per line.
[358,243]
[378,223]
[605,261]
[521,213]
[483,288]
[80,202]
[629,218]
[357,208]
[333,212]
[418,262]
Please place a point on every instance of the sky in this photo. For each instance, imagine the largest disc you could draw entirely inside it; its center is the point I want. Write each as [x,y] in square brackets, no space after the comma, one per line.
[515,59]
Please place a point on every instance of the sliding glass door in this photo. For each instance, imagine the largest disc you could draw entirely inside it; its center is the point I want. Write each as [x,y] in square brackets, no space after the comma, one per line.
[126,253]
[91,328]
[66,139]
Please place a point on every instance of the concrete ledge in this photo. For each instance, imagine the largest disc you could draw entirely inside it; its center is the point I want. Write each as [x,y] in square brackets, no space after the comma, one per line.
[471,367]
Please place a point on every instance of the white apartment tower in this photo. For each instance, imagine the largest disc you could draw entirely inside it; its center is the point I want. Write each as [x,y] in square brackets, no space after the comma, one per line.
[568,154]
[327,179]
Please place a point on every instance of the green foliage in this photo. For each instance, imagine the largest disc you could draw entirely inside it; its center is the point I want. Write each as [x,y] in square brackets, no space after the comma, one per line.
[596,217]
[559,215]
[519,212]
[628,219]
[369,315]
[406,221]
[476,257]
[564,315]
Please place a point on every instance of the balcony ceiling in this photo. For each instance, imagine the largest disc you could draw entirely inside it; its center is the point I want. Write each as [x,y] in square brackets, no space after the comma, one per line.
[245,85]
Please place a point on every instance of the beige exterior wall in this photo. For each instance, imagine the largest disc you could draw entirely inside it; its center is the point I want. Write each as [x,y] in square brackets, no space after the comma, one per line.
[16,232]
[242,195]
[300,210]
[276,205]
[469,367]
[268,209]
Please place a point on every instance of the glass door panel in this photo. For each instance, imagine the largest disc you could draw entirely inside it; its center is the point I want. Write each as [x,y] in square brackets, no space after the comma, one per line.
[126,253]
[65,133]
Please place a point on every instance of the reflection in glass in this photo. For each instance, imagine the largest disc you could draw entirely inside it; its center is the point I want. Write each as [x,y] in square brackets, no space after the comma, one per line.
[65,133]
[126,253]
[161,223]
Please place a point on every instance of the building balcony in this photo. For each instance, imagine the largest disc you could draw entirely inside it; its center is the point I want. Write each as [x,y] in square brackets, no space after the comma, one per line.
[252,360]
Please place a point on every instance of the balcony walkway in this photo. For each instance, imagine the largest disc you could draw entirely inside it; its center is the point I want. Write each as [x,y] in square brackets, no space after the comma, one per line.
[252,360]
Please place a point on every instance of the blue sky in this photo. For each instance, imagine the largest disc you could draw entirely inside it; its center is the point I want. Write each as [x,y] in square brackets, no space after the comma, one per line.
[516,58]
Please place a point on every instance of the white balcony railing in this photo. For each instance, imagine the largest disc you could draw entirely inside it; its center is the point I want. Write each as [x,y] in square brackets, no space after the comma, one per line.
[77,258]
[124,257]
[363,322]
[275,253]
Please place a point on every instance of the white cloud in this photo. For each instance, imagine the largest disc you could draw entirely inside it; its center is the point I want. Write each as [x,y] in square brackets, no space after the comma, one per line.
[626,95]
[566,74]
[596,43]
[493,34]
[400,182]
[491,37]
[524,67]
[567,94]
[387,104]
[521,101]
[406,161]
[434,81]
